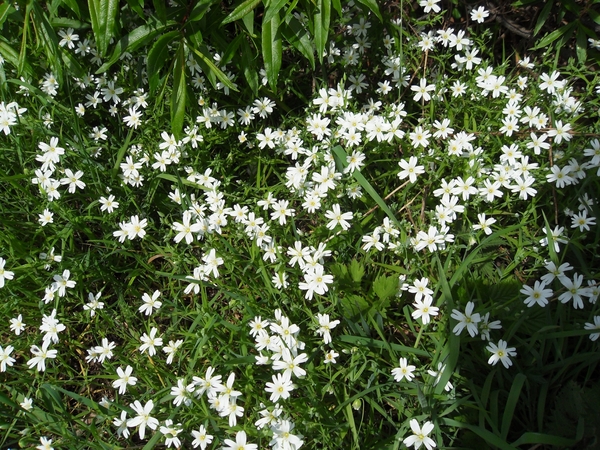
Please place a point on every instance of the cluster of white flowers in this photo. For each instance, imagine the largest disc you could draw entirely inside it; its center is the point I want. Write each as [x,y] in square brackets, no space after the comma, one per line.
[9,112]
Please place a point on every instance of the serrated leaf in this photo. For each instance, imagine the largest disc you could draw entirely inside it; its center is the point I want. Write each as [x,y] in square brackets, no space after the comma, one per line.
[357,271]
[131,42]
[353,305]
[103,14]
[321,21]
[372,5]
[178,96]
[241,10]
[385,287]
[272,49]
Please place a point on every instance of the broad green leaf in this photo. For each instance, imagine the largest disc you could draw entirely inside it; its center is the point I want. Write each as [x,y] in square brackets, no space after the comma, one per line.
[178,96]
[550,38]
[249,66]
[73,5]
[131,42]
[337,6]
[103,14]
[273,8]
[241,10]
[160,8]
[158,56]
[199,11]
[72,64]
[5,8]
[49,38]
[248,21]
[372,5]
[594,15]
[511,403]
[321,21]
[272,49]
[541,438]
[65,22]
[543,17]
[298,37]
[22,54]
[11,55]
[488,436]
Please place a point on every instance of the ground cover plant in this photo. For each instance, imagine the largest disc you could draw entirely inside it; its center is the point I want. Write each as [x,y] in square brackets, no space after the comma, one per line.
[317,225]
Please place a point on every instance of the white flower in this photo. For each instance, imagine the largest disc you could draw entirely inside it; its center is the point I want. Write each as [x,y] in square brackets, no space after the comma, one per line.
[337,218]
[419,436]
[201,438]
[143,417]
[150,342]
[4,274]
[410,169]
[404,371]
[467,320]
[150,303]
[325,326]
[501,353]
[124,380]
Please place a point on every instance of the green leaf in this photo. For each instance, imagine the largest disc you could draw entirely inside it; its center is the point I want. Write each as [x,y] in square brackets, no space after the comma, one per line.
[158,56]
[550,38]
[49,38]
[249,66]
[385,287]
[341,154]
[22,54]
[161,10]
[357,271]
[5,8]
[488,436]
[273,8]
[178,96]
[543,17]
[103,14]
[131,42]
[372,5]
[511,403]
[594,15]
[241,10]
[541,438]
[213,69]
[271,49]
[298,37]
[321,21]
[73,5]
